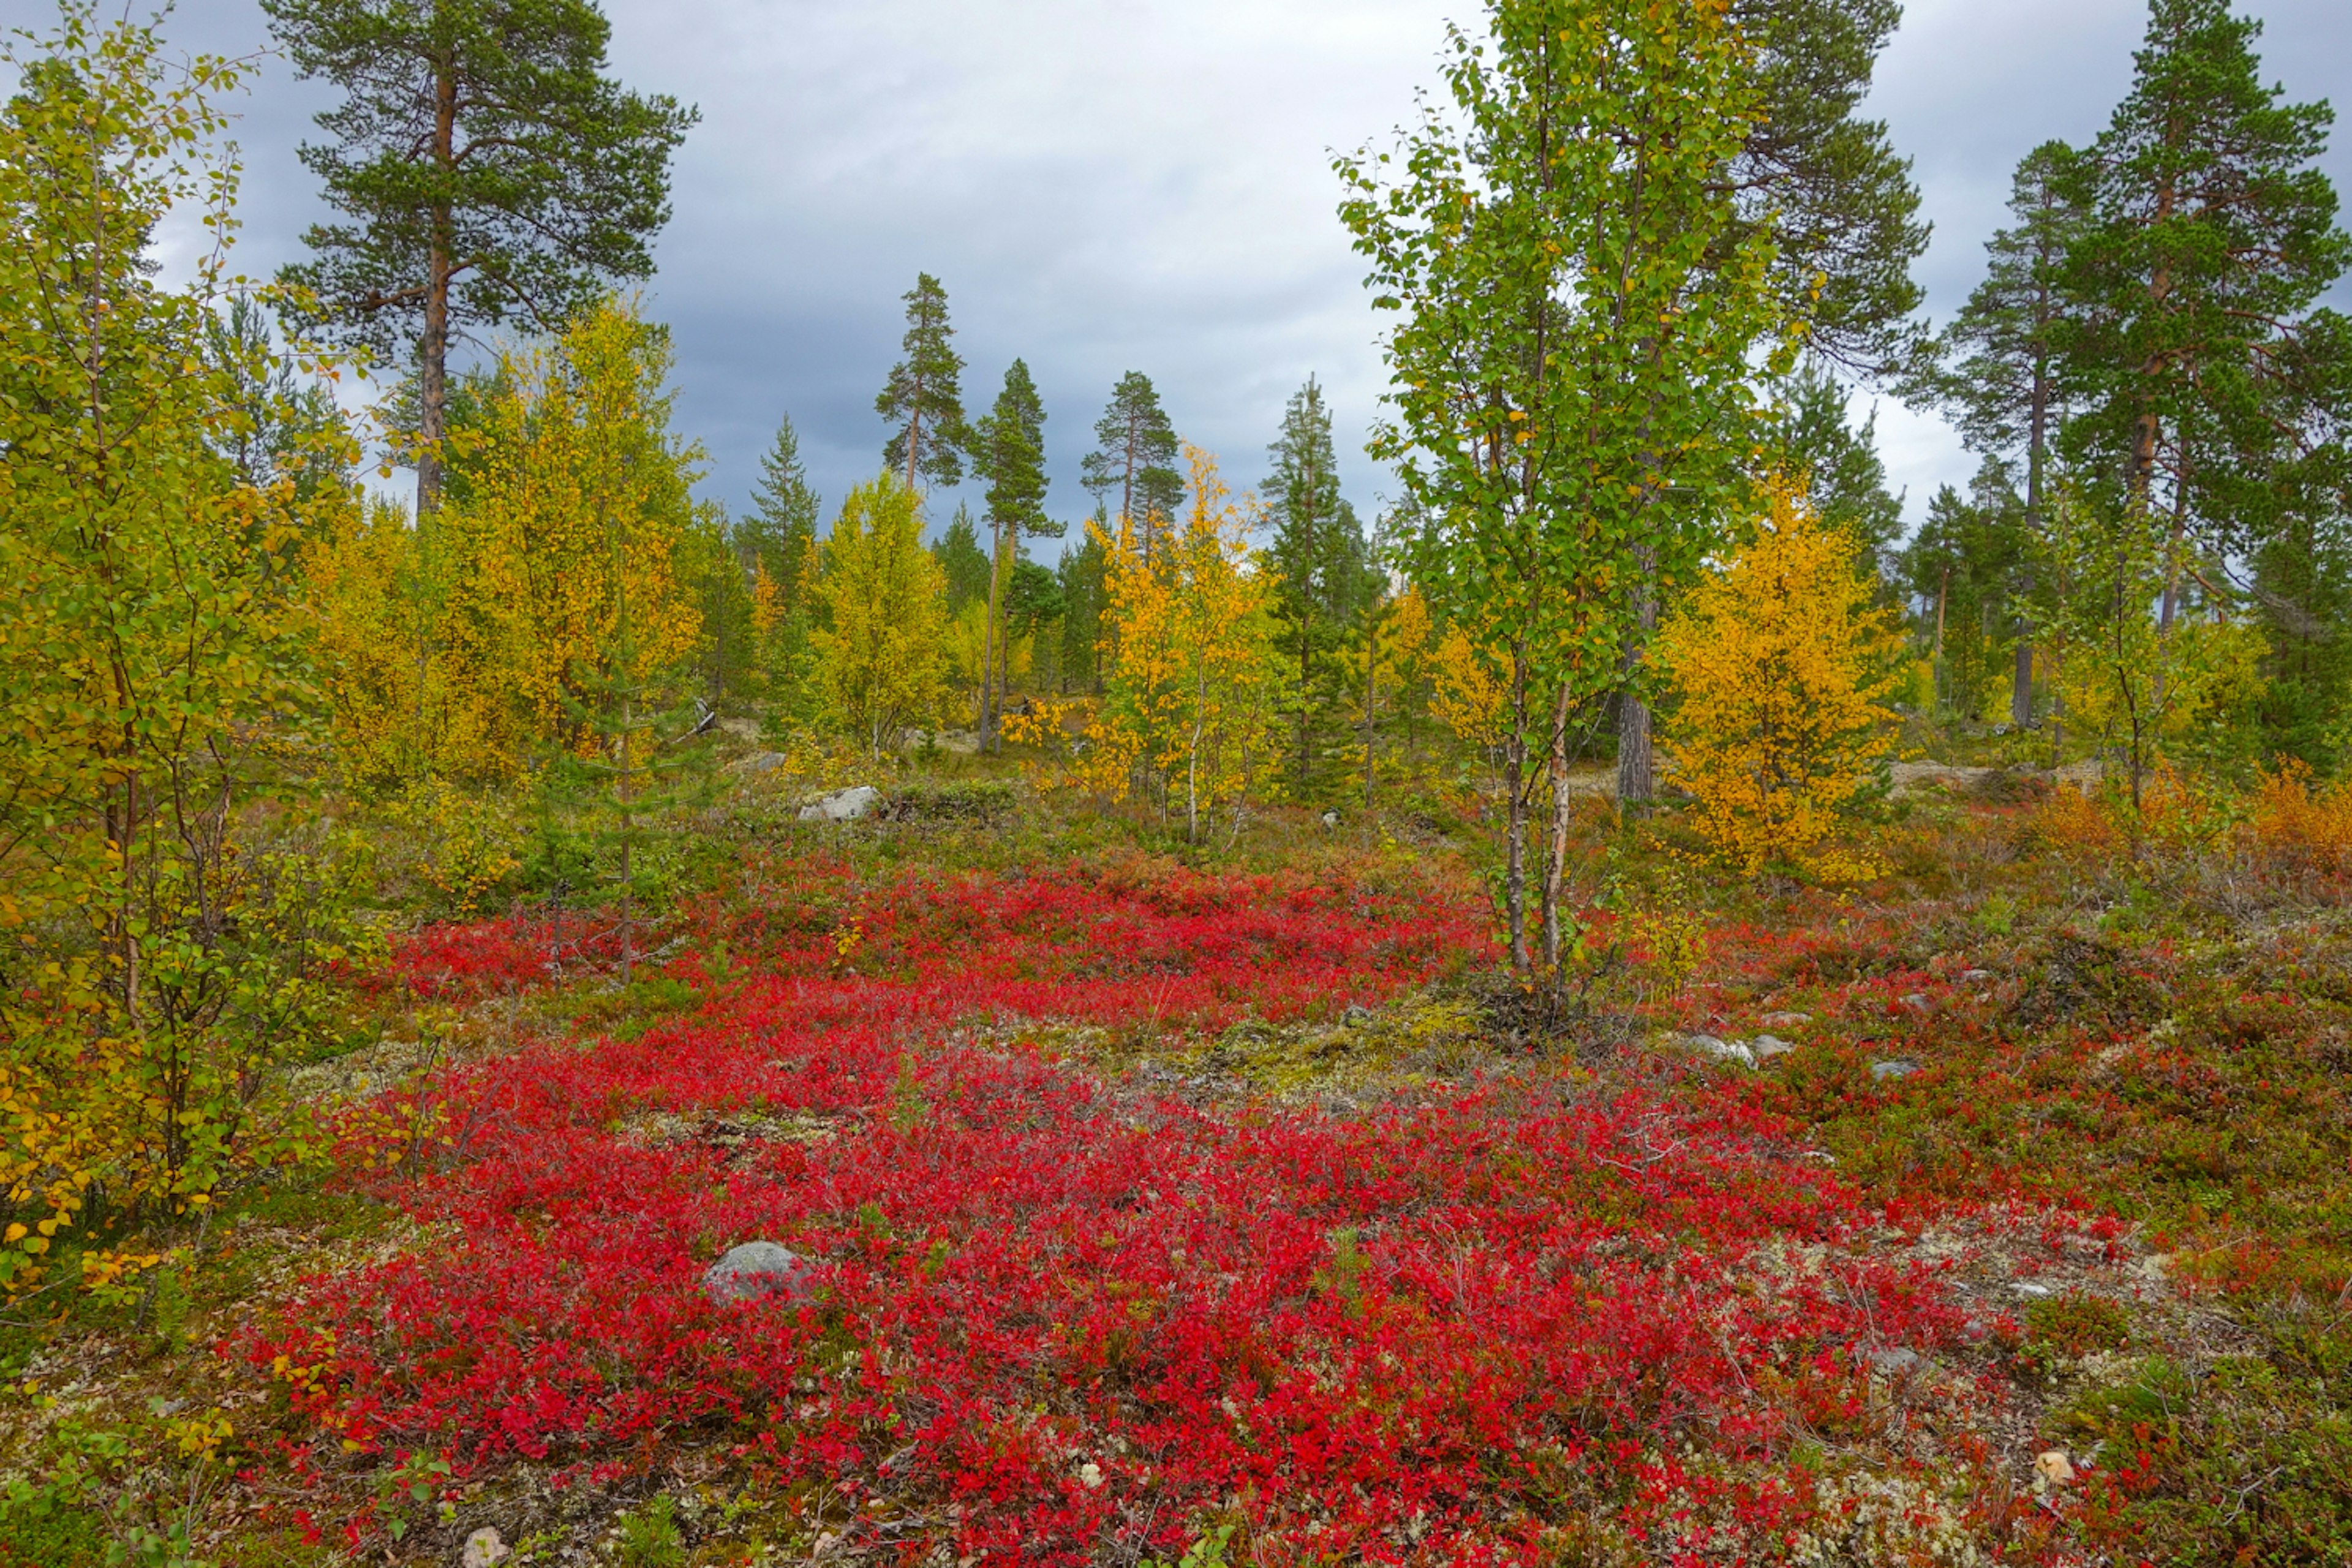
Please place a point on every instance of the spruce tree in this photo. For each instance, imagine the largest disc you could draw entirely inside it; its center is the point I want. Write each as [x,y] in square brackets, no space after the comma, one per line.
[1318,554]
[779,537]
[963,561]
[1009,455]
[1807,434]
[924,396]
[1081,573]
[1134,454]
[488,169]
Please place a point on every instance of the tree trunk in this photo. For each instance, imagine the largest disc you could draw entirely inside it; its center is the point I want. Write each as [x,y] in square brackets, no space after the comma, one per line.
[1636,782]
[1371,731]
[1943,596]
[433,352]
[1515,773]
[2037,448]
[988,638]
[1555,849]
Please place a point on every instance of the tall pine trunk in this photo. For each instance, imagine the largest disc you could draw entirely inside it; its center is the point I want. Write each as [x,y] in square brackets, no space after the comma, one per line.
[433,351]
[988,638]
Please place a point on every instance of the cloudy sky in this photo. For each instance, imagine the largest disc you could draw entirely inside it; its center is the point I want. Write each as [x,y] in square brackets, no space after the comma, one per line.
[1107,185]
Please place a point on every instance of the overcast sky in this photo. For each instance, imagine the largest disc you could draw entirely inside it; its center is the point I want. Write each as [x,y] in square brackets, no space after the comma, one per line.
[1107,185]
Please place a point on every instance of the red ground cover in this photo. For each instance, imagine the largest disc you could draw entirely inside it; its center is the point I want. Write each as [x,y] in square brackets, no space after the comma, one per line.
[1057,1311]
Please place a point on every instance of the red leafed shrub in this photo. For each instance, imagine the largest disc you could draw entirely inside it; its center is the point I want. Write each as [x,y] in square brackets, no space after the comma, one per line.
[1065,1315]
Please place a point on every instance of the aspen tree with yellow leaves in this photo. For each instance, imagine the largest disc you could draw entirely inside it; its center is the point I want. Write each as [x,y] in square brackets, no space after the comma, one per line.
[577,506]
[1387,686]
[1189,709]
[1782,664]
[882,655]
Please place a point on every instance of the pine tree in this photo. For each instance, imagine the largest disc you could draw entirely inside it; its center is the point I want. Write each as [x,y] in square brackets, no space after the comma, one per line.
[489,170]
[924,396]
[1318,555]
[2209,236]
[1996,368]
[1964,569]
[1009,455]
[1134,454]
[1826,184]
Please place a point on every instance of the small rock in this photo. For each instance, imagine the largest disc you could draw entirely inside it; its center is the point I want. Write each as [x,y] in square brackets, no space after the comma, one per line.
[1784,1020]
[484,1549]
[1355,1016]
[1975,976]
[1766,1046]
[760,762]
[1915,1002]
[1895,1360]
[1900,1067]
[757,1268]
[1724,1050]
[842,804]
[2052,1470]
[2028,1288]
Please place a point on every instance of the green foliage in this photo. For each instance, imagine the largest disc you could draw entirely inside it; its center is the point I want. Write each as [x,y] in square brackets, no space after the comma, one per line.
[1080,574]
[962,562]
[1136,454]
[1807,438]
[487,168]
[650,1537]
[1824,185]
[924,396]
[1579,299]
[1966,569]
[1206,1552]
[171,920]
[1323,578]
[778,536]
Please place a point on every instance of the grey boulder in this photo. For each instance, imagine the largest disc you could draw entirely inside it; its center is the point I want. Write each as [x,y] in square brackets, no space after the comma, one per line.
[842,804]
[757,1268]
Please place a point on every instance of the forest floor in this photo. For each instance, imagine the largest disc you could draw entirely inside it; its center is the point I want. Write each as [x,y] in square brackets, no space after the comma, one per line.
[1157,1213]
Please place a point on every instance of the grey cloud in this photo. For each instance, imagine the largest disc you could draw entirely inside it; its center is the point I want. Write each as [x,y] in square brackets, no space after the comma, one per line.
[1107,185]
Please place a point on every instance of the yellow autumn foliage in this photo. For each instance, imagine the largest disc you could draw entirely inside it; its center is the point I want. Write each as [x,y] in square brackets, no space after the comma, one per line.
[883,655]
[1782,667]
[1188,713]
[569,530]
[463,645]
